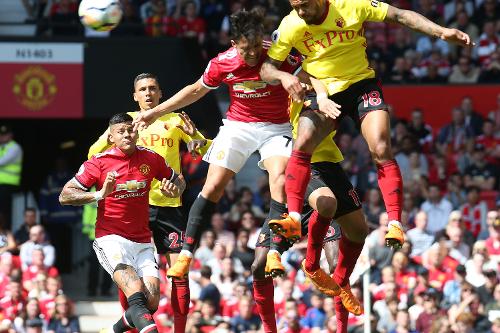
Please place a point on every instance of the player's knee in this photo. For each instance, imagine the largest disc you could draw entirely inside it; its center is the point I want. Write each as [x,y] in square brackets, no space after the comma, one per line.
[381,151]
[326,206]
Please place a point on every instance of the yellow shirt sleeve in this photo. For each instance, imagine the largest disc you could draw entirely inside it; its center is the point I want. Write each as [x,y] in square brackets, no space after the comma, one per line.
[100,145]
[282,41]
[371,10]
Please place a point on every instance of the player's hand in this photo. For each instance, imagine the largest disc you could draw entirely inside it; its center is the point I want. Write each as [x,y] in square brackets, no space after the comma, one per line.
[187,125]
[194,146]
[456,36]
[292,85]
[170,189]
[109,184]
[329,107]
[144,119]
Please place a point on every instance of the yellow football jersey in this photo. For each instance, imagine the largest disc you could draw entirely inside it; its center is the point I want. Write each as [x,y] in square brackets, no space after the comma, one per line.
[164,142]
[327,150]
[335,50]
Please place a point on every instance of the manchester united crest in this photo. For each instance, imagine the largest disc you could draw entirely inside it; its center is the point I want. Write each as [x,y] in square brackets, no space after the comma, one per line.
[220,155]
[144,169]
[34,87]
[340,22]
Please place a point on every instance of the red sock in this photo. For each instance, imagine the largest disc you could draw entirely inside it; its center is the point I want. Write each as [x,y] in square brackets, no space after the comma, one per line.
[263,293]
[298,172]
[180,299]
[391,186]
[123,299]
[317,229]
[349,252]
[342,315]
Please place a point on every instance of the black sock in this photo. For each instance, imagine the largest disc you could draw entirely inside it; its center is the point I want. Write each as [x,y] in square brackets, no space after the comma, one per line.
[139,314]
[121,326]
[199,218]
[276,209]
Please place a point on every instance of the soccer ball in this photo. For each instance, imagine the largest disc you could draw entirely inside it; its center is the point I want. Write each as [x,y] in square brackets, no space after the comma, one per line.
[100,15]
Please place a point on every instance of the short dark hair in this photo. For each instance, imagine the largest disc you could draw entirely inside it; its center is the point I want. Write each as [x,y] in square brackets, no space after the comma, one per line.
[120,118]
[206,272]
[145,76]
[30,209]
[248,24]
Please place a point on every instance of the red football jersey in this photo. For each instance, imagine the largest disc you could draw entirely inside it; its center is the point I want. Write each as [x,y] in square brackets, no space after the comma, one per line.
[252,100]
[124,211]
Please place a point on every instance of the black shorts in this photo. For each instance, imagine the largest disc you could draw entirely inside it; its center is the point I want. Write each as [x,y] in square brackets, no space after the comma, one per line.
[356,101]
[167,225]
[323,174]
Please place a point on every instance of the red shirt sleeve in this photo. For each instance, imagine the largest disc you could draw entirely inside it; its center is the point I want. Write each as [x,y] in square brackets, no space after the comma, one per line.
[291,64]
[163,170]
[89,173]
[213,75]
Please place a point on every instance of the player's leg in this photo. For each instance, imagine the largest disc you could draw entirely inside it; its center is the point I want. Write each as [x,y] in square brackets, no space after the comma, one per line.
[227,155]
[375,128]
[313,127]
[168,225]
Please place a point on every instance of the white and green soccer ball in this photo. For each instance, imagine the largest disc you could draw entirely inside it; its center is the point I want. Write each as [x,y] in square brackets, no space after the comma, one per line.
[100,15]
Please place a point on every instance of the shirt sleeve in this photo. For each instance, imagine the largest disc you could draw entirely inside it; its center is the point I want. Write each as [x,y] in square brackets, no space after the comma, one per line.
[282,41]
[291,64]
[88,174]
[163,170]
[371,10]
[213,75]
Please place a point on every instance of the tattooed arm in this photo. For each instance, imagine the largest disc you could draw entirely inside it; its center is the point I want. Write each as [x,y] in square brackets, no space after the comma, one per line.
[418,22]
[270,73]
[73,194]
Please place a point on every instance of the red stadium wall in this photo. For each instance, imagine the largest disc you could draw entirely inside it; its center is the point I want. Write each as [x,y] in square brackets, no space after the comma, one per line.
[437,102]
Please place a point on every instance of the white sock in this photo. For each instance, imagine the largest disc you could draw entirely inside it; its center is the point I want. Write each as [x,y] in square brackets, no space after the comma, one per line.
[187,253]
[396,223]
[295,216]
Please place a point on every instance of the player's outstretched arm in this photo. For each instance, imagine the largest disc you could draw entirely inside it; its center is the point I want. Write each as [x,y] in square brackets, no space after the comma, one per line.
[270,73]
[72,194]
[326,105]
[420,23]
[186,96]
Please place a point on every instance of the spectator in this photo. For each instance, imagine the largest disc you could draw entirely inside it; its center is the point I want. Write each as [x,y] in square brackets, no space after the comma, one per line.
[486,291]
[131,23]
[208,290]
[420,130]
[431,311]
[453,288]
[492,243]
[30,318]
[380,255]
[472,118]
[11,160]
[403,322]
[464,72]
[7,242]
[494,115]
[480,173]
[228,278]
[160,23]
[426,44]
[205,252]
[440,265]
[209,319]
[224,236]
[249,222]
[400,73]
[455,220]
[420,239]
[488,42]
[474,211]
[37,266]
[490,142]
[245,203]
[437,208]
[13,303]
[22,234]
[388,323]
[64,18]
[453,137]
[192,26]
[242,252]
[246,320]
[458,249]
[315,316]
[373,206]
[455,189]
[48,300]
[474,267]
[63,318]
[491,69]
[37,239]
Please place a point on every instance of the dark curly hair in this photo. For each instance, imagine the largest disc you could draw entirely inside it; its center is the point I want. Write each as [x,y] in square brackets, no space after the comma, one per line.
[248,24]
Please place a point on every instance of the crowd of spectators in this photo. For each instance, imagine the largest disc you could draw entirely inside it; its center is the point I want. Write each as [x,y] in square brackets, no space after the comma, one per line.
[396,53]
[31,293]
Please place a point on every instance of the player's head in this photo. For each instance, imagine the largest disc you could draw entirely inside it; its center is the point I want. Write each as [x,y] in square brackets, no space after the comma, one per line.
[147,91]
[247,30]
[121,132]
[311,11]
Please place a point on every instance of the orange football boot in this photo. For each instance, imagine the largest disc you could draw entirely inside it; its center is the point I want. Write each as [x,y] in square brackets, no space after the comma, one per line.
[180,268]
[274,267]
[350,302]
[322,281]
[395,236]
[287,227]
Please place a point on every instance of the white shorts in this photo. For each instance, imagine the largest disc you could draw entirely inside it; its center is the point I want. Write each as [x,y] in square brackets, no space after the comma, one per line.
[237,140]
[112,250]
